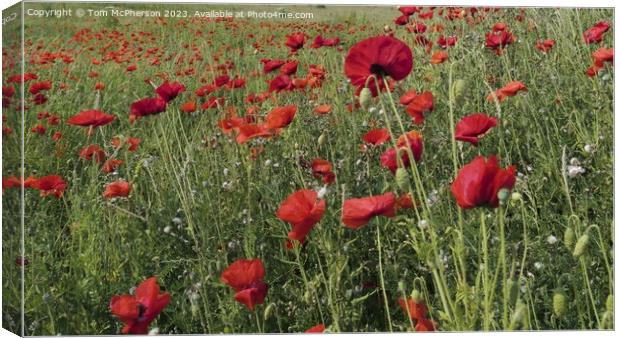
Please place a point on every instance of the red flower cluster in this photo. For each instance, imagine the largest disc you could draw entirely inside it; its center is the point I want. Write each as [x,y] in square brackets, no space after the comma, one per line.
[245,276]
[139,310]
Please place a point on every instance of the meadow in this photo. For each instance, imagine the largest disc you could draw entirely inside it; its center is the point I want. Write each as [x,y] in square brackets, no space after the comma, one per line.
[413,169]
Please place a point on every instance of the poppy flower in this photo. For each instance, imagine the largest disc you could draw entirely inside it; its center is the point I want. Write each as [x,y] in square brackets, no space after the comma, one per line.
[419,105]
[302,209]
[289,68]
[602,55]
[280,83]
[413,139]
[250,131]
[117,189]
[133,143]
[357,212]
[10,182]
[479,181]
[472,127]
[111,165]
[56,136]
[188,107]
[408,10]
[245,276]
[425,325]
[376,137]
[168,91]
[139,310]
[295,41]
[36,87]
[323,109]
[415,310]
[545,46]
[510,89]
[49,185]
[280,117]
[379,56]
[91,118]
[439,57]
[498,40]
[316,329]
[401,20]
[221,80]
[148,106]
[87,153]
[323,169]
[444,42]
[595,33]
[271,65]
[38,129]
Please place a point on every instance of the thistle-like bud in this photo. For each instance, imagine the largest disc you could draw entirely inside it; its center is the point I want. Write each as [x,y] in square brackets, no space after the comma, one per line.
[365,96]
[569,238]
[581,246]
[559,303]
[402,178]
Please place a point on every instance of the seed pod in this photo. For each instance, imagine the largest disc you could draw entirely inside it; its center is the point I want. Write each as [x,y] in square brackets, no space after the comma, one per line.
[569,238]
[321,140]
[516,196]
[402,178]
[365,96]
[581,246]
[268,311]
[502,195]
[458,88]
[559,303]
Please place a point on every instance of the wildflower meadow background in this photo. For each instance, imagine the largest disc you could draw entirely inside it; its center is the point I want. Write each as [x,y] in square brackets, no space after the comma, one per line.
[360,169]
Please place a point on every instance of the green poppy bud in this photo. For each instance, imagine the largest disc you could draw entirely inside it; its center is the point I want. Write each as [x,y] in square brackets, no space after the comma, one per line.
[502,195]
[581,246]
[458,88]
[516,196]
[322,139]
[365,96]
[268,311]
[402,178]
[417,296]
[569,238]
[559,304]
[513,290]
[609,304]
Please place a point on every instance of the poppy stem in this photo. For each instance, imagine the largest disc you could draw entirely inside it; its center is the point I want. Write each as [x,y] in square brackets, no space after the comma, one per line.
[385,301]
[485,273]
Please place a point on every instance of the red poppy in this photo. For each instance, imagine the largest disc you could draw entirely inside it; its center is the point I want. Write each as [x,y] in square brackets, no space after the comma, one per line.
[379,56]
[148,106]
[133,143]
[295,41]
[302,209]
[111,165]
[48,185]
[139,310]
[38,129]
[425,325]
[280,83]
[357,212]
[595,33]
[280,117]
[439,57]
[497,40]
[316,329]
[419,105]
[91,118]
[168,91]
[323,109]
[88,152]
[271,65]
[117,189]
[376,136]
[250,131]
[401,20]
[323,169]
[36,87]
[415,310]
[289,68]
[444,42]
[472,127]
[510,89]
[479,181]
[408,10]
[245,276]
[545,46]
[413,139]
[319,42]
[10,182]
[188,107]
[600,56]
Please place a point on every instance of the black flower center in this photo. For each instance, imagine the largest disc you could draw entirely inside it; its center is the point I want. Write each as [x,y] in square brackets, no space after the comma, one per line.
[377,69]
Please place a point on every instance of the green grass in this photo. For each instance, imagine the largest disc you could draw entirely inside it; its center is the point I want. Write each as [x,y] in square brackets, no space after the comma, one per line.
[83,249]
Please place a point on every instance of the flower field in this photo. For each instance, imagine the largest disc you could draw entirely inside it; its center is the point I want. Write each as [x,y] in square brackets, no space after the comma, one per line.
[352,169]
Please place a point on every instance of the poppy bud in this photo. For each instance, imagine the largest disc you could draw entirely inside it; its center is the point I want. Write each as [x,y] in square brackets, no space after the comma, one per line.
[458,89]
[518,315]
[569,238]
[307,297]
[194,308]
[609,304]
[581,246]
[417,296]
[502,195]
[268,311]
[402,178]
[559,303]
[401,286]
[516,196]
[322,139]
[365,96]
